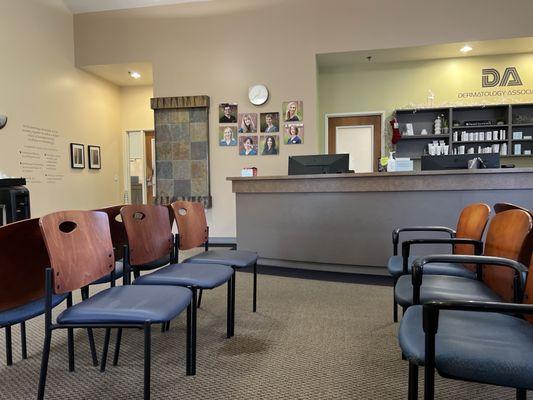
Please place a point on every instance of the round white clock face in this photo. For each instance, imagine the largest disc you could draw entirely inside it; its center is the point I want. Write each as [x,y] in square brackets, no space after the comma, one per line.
[258,94]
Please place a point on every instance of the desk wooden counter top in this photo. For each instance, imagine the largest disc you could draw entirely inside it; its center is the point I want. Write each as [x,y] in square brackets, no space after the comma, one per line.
[463,179]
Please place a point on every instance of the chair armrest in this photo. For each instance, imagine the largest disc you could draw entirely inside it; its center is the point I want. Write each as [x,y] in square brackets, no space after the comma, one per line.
[396,233]
[406,247]
[418,268]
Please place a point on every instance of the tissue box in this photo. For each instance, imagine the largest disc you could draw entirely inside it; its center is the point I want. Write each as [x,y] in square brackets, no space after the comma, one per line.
[247,172]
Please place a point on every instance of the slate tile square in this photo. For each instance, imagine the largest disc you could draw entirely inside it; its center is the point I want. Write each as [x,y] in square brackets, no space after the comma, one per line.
[198,131]
[165,187]
[181,169]
[164,169]
[162,133]
[181,116]
[182,188]
[199,170]
[161,117]
[198,114]
[198,150]
[180,132]
[181,151]
[163,151]
[199,187]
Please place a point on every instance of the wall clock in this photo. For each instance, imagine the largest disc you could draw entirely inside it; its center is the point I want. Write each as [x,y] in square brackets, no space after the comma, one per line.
[258,95]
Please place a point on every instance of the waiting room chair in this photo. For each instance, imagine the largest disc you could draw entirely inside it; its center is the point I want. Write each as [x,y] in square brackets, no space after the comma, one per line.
[23,260]
[471,225]
[194,232]
[486,342]
[506,234]
[150,238]
[81,251]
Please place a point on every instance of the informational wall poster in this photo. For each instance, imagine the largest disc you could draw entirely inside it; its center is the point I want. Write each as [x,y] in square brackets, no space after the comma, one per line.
[40,155]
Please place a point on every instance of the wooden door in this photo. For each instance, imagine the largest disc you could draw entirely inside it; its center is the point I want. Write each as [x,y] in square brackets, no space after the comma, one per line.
[363,132]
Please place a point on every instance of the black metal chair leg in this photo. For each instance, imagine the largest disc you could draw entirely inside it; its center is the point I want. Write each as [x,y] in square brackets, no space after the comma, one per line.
[44,364]
[394,302]
[412,392]
[228,313]
[147,359]
[23,345]
[163,327]
[521,394]
[233,283]
[255,288]
[105,349]
[200,298]
[167,326]
[194,309]
[117,347]
[189,338]
[9,346]
[92,346]
[70,339]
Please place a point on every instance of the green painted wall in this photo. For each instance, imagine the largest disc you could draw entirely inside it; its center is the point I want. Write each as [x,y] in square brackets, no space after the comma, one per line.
[389,86]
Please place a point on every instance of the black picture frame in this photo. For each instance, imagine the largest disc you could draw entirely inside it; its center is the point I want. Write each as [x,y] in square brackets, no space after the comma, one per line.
[77,156]
[94,155]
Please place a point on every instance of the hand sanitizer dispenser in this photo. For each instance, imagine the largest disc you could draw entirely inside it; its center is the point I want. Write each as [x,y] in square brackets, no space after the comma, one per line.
[391,165]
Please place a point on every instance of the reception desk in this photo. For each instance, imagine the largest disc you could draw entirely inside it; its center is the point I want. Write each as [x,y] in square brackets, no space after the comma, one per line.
[343,222]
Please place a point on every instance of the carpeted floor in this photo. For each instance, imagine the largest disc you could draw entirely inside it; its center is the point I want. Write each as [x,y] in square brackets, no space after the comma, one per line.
[310,339]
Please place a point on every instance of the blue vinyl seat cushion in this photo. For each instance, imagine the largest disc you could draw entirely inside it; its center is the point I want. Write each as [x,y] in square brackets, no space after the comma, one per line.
[442,287]
[119,272]
[27,311]
[395,268]
[204,276]
[476,346]
[234,258]
[130,304]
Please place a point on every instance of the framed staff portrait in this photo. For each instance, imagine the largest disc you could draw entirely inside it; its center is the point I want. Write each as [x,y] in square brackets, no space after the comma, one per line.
[294,134]
[227,113]
[227,135]
[269,122]
[269,145]
[77,156]
[95,157]
[247,123]
[293,111]
[248,145]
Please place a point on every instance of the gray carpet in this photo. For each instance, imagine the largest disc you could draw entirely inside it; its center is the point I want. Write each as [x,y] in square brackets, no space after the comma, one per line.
[309,340]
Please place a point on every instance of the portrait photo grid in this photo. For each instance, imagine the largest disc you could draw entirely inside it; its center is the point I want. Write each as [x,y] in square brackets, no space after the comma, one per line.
[260,134]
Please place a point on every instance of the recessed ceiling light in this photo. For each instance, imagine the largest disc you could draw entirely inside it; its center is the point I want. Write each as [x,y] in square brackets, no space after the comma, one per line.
[134,74]
[466,48]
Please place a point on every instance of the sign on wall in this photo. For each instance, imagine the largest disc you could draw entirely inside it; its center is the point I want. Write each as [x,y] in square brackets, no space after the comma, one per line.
[505,82]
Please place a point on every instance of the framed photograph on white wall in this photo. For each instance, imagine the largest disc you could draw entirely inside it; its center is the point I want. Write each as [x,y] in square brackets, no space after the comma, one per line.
[77,156]
[95,157]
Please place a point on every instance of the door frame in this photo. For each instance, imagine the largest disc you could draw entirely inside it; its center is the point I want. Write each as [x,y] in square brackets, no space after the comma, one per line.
[354,114]
[126,162]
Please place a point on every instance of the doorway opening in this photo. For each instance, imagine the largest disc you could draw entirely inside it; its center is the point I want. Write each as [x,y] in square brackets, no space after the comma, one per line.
[139,171]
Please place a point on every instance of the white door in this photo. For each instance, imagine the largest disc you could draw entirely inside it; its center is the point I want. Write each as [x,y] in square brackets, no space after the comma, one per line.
[358,142]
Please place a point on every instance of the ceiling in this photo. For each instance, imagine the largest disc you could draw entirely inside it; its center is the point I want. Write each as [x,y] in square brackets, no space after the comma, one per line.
[449,50]
[85,6]
[119,73]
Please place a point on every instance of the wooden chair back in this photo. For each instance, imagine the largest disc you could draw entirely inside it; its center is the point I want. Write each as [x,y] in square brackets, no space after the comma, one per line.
[192,224]
[506,235]
[471,225]
[149,232]
[118,231]
[23,260]
[525,254]
[79,246]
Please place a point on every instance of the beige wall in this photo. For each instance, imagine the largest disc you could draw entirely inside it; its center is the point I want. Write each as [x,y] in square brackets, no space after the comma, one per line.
[41,87]
[218,50]
[135,111]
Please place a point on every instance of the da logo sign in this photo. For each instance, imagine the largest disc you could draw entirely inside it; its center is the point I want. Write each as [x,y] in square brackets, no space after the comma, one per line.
[491,77]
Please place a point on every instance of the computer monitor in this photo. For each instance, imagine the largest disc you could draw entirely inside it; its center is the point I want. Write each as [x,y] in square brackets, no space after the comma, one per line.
[458,161]
[319,164]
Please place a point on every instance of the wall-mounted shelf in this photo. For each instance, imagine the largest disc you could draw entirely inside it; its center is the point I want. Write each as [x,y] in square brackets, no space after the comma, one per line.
[414,146]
